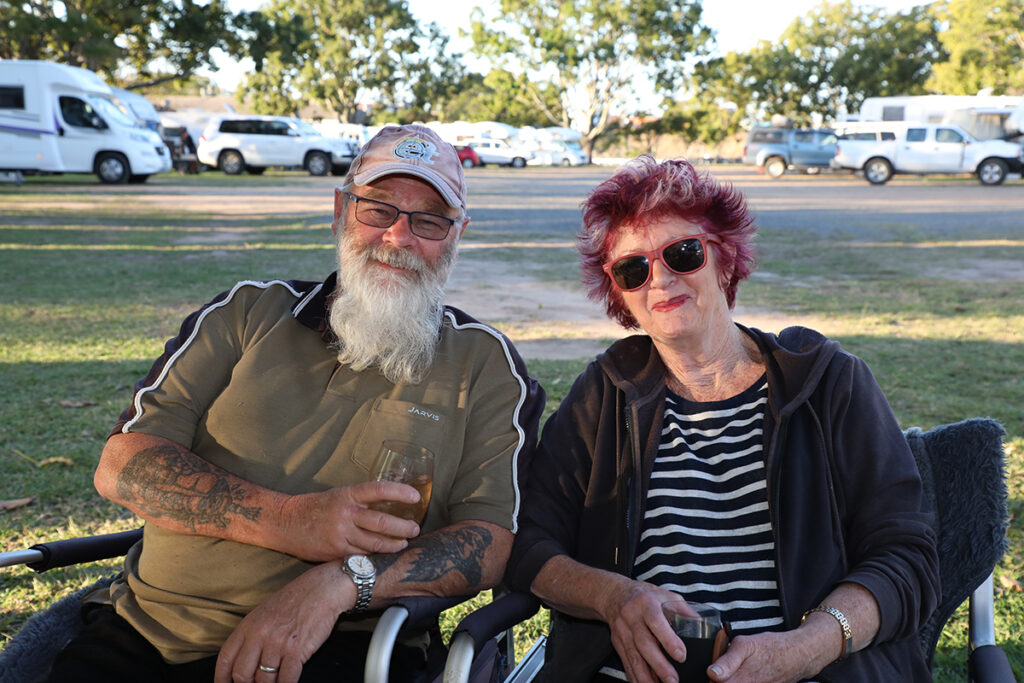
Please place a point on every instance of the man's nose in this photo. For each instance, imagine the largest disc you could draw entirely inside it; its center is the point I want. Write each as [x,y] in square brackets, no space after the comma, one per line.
[400,234]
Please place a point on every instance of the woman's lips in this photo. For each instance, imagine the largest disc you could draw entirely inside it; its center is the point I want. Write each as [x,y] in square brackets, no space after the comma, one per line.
[671,304]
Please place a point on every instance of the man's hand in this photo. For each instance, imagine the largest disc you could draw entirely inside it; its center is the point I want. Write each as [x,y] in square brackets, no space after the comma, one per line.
[640,632]
[285,631]
[336,523]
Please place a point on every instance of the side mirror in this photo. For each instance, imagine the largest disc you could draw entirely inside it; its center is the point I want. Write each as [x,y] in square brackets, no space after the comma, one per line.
[97,122]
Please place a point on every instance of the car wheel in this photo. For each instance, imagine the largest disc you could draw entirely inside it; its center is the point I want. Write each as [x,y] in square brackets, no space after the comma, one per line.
[467,163]
[518,162]
[231,162]
[775,167]
[112,168]
[255,170]
[318,163]
[878,171]
[992,171]
[566,162]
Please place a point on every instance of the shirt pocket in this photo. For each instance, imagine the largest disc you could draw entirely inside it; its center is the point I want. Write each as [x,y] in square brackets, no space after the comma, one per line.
[390,419]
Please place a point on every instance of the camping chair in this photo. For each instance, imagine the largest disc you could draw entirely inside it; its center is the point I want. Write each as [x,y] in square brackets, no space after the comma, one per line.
[28,655]
[962,471]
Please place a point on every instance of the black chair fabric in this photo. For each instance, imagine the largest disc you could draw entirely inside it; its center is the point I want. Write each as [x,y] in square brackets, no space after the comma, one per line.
[962,470]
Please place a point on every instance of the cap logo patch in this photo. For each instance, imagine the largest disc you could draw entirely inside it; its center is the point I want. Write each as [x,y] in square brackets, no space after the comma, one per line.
[413,148]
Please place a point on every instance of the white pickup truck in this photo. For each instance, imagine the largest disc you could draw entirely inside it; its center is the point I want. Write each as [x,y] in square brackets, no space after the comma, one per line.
[927,148]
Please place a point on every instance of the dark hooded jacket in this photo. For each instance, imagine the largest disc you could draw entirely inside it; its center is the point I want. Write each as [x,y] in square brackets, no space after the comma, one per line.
[844,495]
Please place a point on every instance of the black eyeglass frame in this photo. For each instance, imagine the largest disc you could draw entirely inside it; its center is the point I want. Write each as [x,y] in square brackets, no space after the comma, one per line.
[659,255]
[398,213]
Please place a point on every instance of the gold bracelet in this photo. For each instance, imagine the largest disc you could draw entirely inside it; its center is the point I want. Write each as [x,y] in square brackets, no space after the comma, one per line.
[843,624]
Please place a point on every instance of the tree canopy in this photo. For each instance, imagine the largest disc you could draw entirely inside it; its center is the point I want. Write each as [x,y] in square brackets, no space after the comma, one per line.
[589,53]
[827,62]
[985,42]
[137,43]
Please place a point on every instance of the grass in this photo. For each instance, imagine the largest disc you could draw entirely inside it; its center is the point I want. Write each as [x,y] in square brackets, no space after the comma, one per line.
[91,293]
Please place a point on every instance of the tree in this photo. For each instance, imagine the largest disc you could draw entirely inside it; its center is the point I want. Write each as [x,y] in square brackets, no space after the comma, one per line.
[827,62]
[985,42]
[136,43]
[591,52]
[343,53]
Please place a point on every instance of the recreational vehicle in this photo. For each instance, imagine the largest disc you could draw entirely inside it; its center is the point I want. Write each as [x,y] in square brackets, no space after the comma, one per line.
[56,118]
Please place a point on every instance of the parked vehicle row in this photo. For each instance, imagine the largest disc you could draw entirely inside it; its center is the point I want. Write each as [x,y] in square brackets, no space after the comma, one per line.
[56,118]
[927,148]
[235,143]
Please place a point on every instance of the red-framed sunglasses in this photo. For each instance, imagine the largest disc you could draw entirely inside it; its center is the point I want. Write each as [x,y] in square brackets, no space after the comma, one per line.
[683,256]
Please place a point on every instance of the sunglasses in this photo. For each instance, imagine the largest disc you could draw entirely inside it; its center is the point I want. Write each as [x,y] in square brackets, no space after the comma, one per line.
[682,256]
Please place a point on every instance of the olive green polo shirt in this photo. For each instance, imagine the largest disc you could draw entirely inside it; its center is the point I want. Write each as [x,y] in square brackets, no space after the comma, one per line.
[251,385]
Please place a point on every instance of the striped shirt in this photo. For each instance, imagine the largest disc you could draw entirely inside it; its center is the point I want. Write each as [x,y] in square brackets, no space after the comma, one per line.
[707,532]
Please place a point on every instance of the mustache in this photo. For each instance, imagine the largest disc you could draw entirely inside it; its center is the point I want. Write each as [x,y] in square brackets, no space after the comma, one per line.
[398,258]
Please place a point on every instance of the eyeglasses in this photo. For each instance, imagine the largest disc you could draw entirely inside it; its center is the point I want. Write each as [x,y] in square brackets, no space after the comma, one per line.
[429,226]
[682,256]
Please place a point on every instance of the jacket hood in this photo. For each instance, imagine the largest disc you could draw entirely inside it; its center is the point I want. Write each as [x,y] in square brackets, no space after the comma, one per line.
[796,360]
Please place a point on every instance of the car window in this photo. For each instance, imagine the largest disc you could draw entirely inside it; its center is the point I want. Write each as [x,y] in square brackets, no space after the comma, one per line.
[825,137]
[76,112]
[915,134]
[888,135]
[947,135]
[273,127]
[804,136]
[766,136]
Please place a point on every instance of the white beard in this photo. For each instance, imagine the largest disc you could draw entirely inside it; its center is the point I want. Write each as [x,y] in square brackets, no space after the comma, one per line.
[386,319]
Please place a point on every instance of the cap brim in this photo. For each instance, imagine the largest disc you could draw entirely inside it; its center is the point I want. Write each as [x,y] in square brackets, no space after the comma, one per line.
[449,196]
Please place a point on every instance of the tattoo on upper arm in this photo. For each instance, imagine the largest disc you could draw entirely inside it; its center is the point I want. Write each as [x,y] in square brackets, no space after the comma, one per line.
[462,550]
[165,481]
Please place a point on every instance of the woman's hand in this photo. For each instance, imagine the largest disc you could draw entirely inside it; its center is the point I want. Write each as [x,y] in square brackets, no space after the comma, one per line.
[285,631]
[773,657]
[640,632]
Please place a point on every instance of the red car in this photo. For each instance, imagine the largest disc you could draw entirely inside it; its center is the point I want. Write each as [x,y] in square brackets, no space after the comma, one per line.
[468,156]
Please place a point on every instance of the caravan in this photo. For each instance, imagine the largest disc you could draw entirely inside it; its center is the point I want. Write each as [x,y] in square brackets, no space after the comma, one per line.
[56,118]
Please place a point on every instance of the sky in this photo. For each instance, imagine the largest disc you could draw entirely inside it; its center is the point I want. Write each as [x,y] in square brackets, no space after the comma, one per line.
[760,20]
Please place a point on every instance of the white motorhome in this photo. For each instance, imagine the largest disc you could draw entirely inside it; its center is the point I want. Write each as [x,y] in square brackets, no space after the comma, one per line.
[56,118]
[985,117]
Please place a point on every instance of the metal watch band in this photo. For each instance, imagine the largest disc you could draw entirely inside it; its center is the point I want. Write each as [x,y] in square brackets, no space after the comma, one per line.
[843,624]
[364,591]
[363,579]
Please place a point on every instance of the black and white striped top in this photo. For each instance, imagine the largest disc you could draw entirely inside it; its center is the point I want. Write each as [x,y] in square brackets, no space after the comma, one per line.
[707,532]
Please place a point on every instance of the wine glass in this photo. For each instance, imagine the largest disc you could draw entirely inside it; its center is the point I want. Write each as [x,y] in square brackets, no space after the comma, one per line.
[405,463]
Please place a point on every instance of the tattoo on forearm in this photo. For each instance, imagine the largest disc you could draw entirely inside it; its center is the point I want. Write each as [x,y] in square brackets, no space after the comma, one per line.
[165,481]
[461,550]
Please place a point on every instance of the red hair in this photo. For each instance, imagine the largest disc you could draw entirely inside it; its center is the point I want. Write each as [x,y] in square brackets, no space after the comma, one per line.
[643,191]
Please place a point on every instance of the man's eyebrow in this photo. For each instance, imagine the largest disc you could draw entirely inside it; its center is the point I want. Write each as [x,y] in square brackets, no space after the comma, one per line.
[440,208]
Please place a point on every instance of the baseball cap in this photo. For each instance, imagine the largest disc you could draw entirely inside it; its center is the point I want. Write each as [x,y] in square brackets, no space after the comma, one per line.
[412,150]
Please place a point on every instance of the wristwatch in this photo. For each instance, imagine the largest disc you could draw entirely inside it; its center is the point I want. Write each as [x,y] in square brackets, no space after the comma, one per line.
[363,574]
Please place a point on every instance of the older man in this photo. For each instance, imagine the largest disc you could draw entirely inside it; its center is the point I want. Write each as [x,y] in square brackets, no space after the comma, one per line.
[247,451]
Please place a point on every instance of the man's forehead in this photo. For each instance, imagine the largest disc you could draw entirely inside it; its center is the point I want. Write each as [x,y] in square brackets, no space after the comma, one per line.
[390,192]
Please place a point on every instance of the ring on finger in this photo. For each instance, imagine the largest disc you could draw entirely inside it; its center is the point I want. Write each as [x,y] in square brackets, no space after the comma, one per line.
[268,669]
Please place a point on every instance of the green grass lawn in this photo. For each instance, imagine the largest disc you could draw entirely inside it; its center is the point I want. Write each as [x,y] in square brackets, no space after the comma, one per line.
[90,296]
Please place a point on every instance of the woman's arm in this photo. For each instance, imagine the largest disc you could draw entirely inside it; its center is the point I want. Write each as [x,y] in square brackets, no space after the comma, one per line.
[806,650]
[640,632]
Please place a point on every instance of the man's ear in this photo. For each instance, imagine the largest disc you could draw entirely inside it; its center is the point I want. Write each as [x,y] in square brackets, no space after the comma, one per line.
[462,230]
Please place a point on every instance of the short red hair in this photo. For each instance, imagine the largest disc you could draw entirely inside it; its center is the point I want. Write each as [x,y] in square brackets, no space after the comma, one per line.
[643,191]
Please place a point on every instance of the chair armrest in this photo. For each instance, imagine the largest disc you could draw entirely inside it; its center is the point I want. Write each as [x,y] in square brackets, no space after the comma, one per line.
[982,615]
[410,612]
[71,551]
[988,664]
[477,628]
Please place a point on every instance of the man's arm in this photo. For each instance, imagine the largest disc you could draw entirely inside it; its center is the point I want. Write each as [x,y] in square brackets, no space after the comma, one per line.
[285,630]
[167,485]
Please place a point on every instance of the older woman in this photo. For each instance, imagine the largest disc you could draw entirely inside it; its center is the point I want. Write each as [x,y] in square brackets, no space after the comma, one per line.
[763,474]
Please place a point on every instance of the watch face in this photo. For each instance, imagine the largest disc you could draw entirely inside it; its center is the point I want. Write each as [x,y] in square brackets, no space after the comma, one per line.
[361,565]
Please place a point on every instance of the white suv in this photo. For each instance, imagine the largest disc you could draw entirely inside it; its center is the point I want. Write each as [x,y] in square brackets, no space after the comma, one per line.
[499,152]
[235,143]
